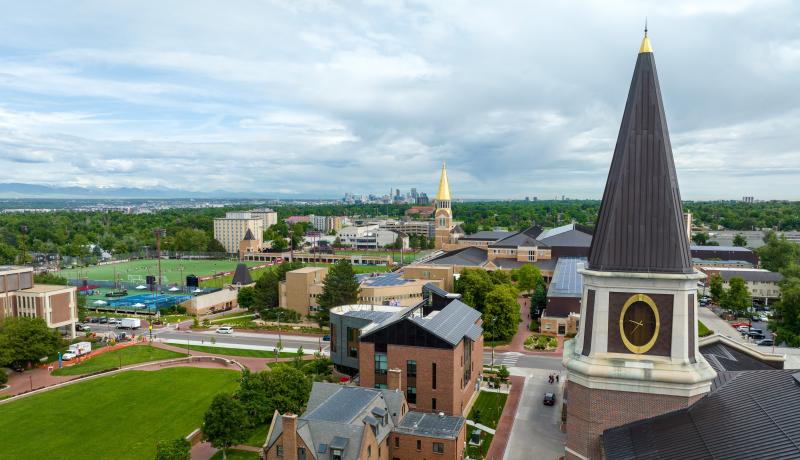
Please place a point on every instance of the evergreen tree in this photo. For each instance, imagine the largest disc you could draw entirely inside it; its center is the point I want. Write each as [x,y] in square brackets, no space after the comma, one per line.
[224,423]
[339,288]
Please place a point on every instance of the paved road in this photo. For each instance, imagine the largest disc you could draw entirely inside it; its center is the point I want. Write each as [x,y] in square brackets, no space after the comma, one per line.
[537,428]
[244,338]
[521,361]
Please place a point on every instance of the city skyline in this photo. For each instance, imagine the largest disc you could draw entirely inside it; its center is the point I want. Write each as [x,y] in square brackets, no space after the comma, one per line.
[315,100]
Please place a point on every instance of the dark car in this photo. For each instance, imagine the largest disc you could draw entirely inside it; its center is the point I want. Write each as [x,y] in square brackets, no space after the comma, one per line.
[765,342]
[326,338]
[755,335]
[549,399]
[103,320]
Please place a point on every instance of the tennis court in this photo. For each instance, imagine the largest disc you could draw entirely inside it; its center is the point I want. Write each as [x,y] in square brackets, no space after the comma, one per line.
[147,302]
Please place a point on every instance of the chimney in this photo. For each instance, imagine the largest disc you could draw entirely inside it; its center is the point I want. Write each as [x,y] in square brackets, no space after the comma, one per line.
[289,436]
[393,379]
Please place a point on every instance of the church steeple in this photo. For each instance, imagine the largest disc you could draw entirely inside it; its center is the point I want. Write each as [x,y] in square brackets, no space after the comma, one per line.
[444,186]
[640,227]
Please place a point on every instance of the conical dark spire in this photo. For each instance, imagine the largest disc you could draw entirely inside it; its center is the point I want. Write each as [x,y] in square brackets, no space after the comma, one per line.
[640,227]
[242,275]
[248,235]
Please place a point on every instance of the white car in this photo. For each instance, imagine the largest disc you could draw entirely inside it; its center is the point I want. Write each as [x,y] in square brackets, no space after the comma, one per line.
[225,330]
[114,321]
[68,356]
[743,329]
[763,318]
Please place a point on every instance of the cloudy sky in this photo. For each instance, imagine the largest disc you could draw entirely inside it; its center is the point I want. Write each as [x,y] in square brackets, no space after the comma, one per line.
[314,98]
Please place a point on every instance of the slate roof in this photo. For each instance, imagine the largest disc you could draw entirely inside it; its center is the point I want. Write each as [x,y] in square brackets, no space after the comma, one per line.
[470,257]
[452,323]
[572,235]
[242,275]
[726,358]
[640,225]
[763,276]
[525,237]
[432,425]
[722,425]
[491,235]
[567,282]
[248,235]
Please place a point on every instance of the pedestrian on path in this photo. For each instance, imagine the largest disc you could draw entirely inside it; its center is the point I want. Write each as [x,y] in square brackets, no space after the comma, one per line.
[557,375]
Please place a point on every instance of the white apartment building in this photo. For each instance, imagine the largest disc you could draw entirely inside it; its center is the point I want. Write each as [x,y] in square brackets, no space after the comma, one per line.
[230,230]
[366,236]
[325,224]
[270,217]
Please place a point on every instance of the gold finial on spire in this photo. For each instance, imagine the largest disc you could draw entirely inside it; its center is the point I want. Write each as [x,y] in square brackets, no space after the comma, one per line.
[645,48]
[444,186]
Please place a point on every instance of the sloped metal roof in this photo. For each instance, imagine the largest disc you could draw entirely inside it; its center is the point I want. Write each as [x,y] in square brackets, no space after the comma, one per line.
[640,226]
[452,323]
[242,275]
[567,282]
[431,425]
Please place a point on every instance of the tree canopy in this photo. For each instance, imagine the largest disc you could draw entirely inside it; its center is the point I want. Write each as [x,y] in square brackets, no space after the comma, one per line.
[339,288]
[501,313]
[284,388]
[777,252]
[26,340]
[224,423]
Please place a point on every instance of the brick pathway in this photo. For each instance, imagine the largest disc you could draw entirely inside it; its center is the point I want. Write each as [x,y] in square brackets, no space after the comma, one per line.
[503,430]
[518,342]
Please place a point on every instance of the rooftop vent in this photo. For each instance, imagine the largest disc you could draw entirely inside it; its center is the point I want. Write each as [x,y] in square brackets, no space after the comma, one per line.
[441,414]
[796,376]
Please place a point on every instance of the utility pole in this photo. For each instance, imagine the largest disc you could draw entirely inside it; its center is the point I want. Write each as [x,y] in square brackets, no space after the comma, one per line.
[159,233]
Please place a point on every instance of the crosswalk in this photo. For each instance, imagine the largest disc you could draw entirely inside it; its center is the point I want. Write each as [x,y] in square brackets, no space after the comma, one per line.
[508,359]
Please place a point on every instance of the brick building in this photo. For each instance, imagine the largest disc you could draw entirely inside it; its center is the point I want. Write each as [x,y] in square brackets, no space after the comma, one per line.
[19,296]
[353,423]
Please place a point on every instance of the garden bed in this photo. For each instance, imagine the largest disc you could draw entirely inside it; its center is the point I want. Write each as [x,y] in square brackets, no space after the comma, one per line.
[539,342]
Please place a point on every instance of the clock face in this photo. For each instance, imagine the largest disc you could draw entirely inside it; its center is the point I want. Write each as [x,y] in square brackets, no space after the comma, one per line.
[639,323]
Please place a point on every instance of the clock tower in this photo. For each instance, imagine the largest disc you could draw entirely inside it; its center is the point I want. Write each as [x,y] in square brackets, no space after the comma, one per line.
[635,355]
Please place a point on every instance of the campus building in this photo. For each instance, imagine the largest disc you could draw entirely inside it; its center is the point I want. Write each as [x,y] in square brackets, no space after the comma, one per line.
[269,216]
[302,288]
[231,230]
[21,297]
[561,314]
[326,224]
[368,236]
[762,284]
[443,216]
[437,344]
[354,423]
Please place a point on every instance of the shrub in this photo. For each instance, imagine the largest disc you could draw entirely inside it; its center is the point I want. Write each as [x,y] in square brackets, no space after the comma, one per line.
[533,326]
[286,316]
[3,377]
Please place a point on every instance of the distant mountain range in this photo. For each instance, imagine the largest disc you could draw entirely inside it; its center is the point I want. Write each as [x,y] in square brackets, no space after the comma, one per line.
[19,190]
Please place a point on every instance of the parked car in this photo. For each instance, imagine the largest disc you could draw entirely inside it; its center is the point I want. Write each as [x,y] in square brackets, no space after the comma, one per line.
[68,356]
[224,330]
[114,321]
[755,335]
[83,327]
[765,342]
[763,318]
[737,325]
[549,399]
[743,329]
[102,320]
[326,338]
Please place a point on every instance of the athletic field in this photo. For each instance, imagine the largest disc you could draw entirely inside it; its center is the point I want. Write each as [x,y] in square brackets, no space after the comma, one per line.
[173,270]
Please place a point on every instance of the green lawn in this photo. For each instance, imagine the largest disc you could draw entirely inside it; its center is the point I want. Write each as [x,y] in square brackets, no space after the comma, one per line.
[175,270]
[487,408]
[239,352]
[120,416]
[111,360]
[258,436]
[703,330]
[235,454]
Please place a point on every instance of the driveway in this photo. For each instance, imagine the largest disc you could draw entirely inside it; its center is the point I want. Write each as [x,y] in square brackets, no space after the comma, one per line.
[537,428]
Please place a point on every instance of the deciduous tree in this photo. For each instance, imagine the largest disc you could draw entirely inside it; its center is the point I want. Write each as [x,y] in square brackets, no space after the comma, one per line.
[716,288]
[26,340]
[284,388]
[177,449]
[501,313]
[224,423]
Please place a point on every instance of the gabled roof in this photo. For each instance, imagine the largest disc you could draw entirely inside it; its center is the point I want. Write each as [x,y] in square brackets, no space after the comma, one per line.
[726,355]
[469,257]
[242,275]
[488,235]
[527,237]
[766,402]
[431,425]
[248,235]
[640,226]
[452,323]
[750,274]
[572,235]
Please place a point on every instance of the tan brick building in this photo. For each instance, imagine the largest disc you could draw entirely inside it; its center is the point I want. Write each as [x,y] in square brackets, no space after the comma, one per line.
[354,423]
[231,229]
[20,297]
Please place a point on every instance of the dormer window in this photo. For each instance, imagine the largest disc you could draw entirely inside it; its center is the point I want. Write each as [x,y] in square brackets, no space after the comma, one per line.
[336,454]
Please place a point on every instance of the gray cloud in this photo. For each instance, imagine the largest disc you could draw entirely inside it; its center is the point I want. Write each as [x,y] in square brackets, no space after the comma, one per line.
[313,98]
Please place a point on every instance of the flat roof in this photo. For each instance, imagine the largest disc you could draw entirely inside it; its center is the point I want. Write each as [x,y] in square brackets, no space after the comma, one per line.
[14,268]
[39,288]
[432,425]
[308,269]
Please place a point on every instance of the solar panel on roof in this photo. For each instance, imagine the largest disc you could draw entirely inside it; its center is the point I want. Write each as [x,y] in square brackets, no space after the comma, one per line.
[322,448]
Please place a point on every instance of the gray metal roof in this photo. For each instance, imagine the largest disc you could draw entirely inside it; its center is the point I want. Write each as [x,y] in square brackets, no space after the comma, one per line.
[452,323]
[719,248]
[432,425]
[573,235]
[372,315]
[527,237]
[470,256]
[343,406]
[384,279]
[507,263]
[640,225]
[725,358]
[762,404]
[487,235]
[567,282]
[750,275]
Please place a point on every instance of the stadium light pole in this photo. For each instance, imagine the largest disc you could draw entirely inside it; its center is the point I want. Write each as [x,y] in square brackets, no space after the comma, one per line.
[159,233]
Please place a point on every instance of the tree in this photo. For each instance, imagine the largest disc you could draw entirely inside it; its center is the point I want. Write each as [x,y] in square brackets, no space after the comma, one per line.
[539,298]
[501,313]
[50,278]
[777,253]
[246,297]
[737,297]
[716,288]
[786,318]
[279,244]
[339,288]
[189,239]
[26,339]
[284,388]
[224,423]
[503,373]
[337,242]
[528,277]
[473,284]
[265,291]
[701,238]
[739,240]
[177,449]
[215,246]
[500,277]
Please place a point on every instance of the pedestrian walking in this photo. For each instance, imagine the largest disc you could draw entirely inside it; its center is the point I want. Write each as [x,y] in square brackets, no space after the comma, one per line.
[557,376]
